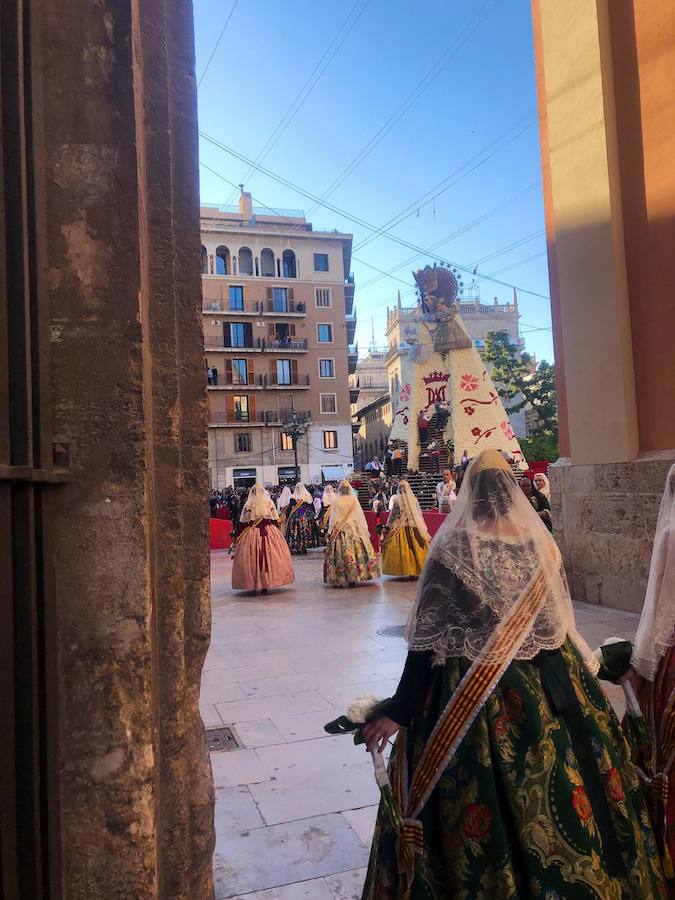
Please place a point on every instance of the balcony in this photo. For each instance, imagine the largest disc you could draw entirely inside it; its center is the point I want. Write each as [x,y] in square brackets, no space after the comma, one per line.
[260,345]
[350,321]
[352,358]
[349,294]
[289,308]
[283,345]
[295,308]
[261,418]
[269,380]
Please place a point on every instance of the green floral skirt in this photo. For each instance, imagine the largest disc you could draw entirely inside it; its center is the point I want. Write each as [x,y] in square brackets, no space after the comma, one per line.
[510,816]
[348,560]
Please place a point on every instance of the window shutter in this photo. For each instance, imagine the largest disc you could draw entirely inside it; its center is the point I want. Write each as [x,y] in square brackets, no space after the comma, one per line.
[271,329]
[229,407]
[291,294]
[292,330]
[228,371]
[251,409]
[247,297]
[269,293]
[294,371]
[250,371]
[248,335]
[226,334]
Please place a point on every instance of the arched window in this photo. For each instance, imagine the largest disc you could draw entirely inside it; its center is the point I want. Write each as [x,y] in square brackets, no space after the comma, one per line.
[205,261]
[267,263]
[288,265]
[245,261]
[222,261]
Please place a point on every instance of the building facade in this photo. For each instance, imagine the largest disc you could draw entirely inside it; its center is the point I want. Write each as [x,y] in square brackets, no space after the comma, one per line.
[279,322]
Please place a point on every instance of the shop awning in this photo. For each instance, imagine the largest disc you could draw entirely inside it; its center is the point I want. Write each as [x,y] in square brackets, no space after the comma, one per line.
[333,473]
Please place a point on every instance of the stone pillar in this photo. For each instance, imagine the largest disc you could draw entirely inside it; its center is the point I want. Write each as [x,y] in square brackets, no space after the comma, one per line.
[129,534]
[610,213]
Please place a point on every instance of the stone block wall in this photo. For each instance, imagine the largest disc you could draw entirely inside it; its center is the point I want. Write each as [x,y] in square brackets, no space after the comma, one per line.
[604,518]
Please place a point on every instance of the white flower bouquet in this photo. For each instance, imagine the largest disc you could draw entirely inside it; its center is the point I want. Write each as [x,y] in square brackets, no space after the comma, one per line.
[363,709]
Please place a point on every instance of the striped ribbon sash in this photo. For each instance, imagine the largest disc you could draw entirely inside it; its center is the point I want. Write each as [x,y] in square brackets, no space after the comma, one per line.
[341,524]
[460,712]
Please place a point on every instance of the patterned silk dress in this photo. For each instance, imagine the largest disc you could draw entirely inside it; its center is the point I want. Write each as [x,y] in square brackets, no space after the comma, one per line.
[541,800]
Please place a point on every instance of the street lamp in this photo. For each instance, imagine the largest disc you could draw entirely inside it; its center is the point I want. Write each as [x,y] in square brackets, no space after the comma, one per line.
[295,426]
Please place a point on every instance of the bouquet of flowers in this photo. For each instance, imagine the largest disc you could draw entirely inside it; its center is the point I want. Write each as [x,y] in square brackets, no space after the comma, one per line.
[614,657]
[363,709]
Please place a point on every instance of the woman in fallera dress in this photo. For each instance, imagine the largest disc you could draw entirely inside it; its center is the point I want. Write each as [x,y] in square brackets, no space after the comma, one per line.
[329,495]
[349,558]
[653,676]
[261,556]
[405,537]
[302,532]
[510,769]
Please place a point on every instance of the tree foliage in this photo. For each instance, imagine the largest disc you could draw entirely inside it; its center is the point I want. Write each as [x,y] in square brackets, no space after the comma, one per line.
[512,371]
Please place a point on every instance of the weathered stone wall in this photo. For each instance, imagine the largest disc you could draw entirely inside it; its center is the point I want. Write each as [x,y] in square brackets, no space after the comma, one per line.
[129,534]
[604,517]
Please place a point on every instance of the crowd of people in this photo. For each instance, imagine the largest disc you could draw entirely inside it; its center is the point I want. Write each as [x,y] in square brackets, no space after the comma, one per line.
[272,526]
[533,788]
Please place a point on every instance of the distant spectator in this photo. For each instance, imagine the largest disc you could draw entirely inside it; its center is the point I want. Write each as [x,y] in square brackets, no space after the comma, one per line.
[214,375]
[423,427]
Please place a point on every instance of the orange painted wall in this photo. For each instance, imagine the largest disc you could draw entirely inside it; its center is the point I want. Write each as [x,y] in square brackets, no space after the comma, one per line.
[563,429]
[643,63]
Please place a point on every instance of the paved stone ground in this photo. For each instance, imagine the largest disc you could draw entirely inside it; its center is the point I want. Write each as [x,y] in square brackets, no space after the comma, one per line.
[295,808]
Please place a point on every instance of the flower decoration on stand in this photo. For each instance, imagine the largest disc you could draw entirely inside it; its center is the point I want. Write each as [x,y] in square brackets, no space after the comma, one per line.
[419,353]
[363,709]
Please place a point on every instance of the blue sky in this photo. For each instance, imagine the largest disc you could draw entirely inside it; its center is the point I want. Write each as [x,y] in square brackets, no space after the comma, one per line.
[472,131]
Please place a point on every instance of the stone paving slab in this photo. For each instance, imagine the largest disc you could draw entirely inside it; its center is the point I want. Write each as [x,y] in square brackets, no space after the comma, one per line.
[295,807]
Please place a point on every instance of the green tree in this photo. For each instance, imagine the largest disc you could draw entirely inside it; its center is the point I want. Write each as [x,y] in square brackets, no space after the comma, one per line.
[509,368]
[542,396]
[512,373]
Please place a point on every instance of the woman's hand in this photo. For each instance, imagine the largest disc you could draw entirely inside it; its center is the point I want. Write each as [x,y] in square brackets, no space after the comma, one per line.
[378,732]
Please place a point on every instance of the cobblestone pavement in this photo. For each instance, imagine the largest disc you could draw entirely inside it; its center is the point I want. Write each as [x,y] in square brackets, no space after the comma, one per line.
[295,807]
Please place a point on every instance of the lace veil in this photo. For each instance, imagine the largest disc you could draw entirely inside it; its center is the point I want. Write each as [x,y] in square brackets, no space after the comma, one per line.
[656,631]
[258,505]
[346,504]
[480,561]
[328,496]
[302,495]
[409,512]
[284,498]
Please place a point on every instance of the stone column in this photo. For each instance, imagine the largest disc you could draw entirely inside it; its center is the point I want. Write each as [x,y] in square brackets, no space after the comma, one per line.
[601,100]
[129,534]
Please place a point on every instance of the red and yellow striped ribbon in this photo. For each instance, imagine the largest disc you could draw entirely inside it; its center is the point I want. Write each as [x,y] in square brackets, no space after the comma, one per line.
[460,711]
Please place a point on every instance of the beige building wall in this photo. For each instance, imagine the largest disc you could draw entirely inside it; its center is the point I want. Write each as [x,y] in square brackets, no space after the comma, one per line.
[296,332]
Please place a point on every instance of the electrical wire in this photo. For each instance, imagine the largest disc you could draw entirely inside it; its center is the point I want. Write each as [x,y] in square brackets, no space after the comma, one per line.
[513,246]
[452,235]
[350,217]
[412,97]
[455,177]
[299,99]
[217,44]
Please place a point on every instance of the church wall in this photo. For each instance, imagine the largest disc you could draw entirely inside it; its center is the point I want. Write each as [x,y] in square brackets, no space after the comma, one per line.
[128,534]
[604,80]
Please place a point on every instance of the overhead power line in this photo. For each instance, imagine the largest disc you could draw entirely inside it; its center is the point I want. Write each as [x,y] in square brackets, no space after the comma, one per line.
[412,97]
[475,162]
[217,44]
[311,82]
[454,234]
[350,217]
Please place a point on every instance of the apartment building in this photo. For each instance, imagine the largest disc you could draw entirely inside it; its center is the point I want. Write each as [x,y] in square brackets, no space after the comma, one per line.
[279,325]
